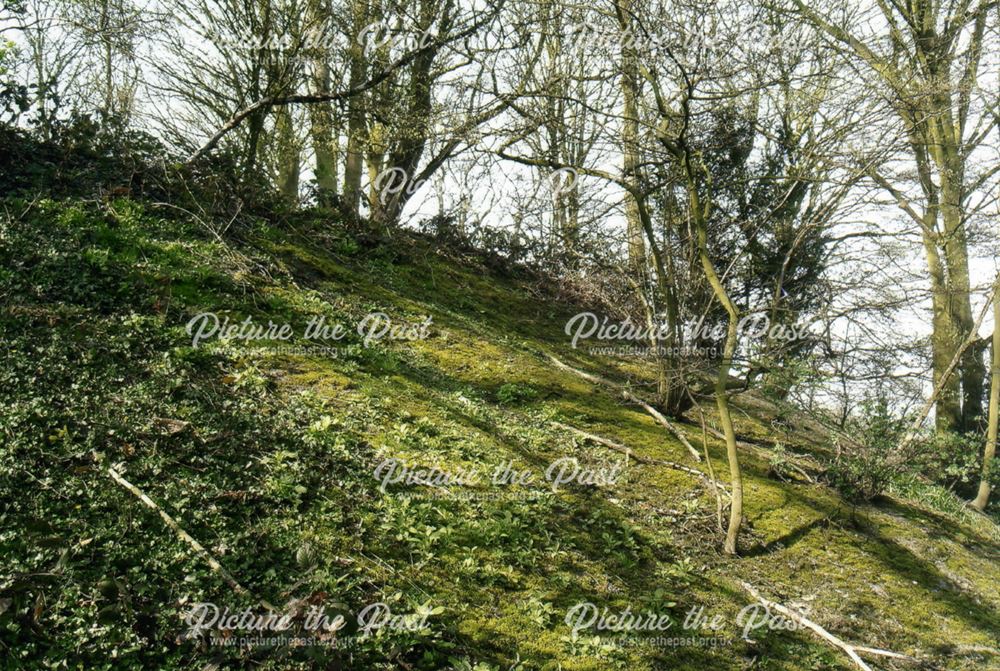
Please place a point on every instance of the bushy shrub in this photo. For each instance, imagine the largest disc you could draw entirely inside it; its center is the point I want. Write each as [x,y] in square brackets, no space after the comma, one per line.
[952,460]
[89,157]
[871,458]
[78,156]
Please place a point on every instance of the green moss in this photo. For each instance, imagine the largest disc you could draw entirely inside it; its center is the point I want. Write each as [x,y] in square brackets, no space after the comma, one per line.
[277,471]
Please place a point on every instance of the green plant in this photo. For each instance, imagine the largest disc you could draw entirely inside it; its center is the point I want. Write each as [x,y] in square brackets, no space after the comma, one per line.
[513,393]
[779,464]
[952,460]
[868,462]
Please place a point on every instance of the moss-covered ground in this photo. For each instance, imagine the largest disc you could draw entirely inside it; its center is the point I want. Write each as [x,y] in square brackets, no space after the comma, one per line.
[269,459]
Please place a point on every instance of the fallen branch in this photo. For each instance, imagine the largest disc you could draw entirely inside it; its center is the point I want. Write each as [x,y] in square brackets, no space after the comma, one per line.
[618,447]
[883,653]
[760,448]
[658,416]
[576,371]
[632,398]
[976,650]
[851,650]
[186,537]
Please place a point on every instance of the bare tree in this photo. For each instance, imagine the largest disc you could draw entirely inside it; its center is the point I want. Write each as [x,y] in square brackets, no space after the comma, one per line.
[926,59]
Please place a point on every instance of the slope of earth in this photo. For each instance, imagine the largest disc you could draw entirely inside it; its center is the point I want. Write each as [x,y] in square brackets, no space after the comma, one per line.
[405,484]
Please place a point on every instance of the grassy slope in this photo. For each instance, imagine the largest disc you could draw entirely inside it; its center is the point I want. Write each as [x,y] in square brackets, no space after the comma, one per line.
[273,472]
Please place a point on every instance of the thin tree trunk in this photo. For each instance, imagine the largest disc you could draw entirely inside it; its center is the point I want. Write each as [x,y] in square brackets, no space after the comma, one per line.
[630,142]
[109,77]
[289,157]
[355,115]
[323,130]
[982,498]
[699,218]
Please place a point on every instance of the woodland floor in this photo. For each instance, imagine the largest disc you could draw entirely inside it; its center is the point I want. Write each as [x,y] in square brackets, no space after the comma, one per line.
[268,459]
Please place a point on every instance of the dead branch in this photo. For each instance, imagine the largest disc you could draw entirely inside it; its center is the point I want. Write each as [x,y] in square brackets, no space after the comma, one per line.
[632,398]
[187,538]
[628,452]
[851,650]
[658,416]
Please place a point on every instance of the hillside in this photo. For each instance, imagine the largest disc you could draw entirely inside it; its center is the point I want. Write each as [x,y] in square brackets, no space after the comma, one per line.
[271,460]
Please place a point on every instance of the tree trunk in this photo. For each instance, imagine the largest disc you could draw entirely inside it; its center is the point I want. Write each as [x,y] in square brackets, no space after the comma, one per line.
[946,153]
[944,341]
[699,218]
[671,388]
[982,498]
[289,163]
[355,114]
[323,129]
[630,142]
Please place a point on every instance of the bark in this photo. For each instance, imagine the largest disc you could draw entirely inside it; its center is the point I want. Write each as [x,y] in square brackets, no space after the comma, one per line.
[946,378]
[950,168]
[262,104]
[355,112]
[325,135]
[944,338]
[725,418]
[410,143]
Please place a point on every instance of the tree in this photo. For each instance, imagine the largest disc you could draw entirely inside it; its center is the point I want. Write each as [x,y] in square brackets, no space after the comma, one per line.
[324,121]
[109,32]
[359,14]
[246,51]
[927,58]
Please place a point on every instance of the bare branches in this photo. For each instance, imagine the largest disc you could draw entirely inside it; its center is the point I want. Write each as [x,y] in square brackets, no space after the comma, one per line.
[430,47]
